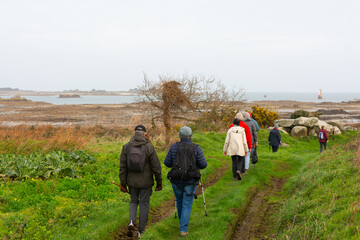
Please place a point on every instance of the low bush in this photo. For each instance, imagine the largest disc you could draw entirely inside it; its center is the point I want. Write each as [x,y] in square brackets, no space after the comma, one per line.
[44,166]
[264,116]
[299,113]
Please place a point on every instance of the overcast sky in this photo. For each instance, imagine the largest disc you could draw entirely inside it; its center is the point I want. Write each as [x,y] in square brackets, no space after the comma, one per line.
[276,45]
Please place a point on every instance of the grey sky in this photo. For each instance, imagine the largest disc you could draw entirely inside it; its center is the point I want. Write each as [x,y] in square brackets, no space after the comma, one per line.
[276,45]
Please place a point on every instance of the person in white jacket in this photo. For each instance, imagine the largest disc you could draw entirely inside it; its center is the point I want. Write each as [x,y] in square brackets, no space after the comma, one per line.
[236,147]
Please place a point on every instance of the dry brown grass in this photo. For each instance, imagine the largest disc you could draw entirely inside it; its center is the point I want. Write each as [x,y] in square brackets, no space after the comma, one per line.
[47,138]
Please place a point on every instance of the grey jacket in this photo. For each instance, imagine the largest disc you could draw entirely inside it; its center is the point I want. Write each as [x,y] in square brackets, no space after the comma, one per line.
[253,131]
[152,166]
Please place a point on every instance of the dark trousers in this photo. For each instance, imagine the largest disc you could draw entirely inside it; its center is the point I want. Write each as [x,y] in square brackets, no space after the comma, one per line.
[139,197]
[275,148]
[238,163]
[321,146]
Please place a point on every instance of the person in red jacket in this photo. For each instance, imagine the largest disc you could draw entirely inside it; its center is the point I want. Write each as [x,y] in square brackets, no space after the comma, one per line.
[323,138]
[247,130]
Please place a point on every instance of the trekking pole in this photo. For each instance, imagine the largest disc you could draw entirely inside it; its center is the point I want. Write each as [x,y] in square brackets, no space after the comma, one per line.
[175,208]
[202,189]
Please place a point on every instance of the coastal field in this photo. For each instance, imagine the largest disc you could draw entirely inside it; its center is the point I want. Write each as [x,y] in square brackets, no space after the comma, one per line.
[66,192]
[57,164]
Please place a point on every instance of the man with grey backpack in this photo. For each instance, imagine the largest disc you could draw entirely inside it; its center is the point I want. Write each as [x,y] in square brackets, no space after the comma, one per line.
[138,164]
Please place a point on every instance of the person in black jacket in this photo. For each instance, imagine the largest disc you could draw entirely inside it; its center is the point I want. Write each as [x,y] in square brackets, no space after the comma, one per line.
[274,138]
[139,181]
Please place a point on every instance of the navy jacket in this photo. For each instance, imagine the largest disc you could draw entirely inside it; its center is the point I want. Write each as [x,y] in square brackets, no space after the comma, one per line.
[274,137]
[199,157]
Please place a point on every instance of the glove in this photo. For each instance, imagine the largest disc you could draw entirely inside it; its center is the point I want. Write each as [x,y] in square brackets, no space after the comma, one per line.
[158,188]
[123,188]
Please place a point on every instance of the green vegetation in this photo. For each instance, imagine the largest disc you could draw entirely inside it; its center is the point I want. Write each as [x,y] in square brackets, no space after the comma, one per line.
[324,198]
[299,113]
[44,166]
[87,206]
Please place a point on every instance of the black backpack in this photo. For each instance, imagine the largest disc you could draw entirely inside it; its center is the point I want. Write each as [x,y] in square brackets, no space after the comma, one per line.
[184,167]
[136,158]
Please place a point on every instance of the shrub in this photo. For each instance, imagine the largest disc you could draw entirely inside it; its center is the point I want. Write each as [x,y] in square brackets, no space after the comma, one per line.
[265,117]
[299,113]
[215,120]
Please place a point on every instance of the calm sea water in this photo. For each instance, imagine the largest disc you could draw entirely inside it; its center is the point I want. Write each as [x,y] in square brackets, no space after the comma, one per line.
[250,96]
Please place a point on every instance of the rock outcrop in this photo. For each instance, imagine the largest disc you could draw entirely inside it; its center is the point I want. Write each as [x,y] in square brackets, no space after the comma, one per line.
[309,126]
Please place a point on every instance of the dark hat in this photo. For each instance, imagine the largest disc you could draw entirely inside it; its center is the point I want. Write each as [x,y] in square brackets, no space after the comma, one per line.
[140,128]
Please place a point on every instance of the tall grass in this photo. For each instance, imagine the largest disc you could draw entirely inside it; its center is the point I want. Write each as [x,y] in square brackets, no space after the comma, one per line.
[46,138]
[324,200]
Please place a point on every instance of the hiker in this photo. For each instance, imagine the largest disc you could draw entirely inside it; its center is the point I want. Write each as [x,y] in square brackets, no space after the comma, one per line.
[254,121]
[138,164]
[243,125]
[274,138]
[323,138]
[254,140]
[184,155]
[236,147]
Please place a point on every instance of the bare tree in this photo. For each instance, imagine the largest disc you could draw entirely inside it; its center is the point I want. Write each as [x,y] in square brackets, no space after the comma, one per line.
[173,97]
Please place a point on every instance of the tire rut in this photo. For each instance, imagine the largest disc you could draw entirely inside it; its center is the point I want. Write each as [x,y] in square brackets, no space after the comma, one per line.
[255,223]
[167,208]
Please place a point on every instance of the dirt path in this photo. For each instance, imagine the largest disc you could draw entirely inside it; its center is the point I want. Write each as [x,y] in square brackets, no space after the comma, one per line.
[256,222]
[167,208]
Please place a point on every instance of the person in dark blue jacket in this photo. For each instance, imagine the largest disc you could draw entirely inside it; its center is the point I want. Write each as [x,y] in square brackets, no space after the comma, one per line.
[184,189]
[274,138]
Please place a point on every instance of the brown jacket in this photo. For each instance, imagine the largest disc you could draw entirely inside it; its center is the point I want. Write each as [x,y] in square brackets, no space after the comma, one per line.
[152,166]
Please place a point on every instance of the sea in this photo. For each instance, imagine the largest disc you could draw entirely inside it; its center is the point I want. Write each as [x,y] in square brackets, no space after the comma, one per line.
[249,96]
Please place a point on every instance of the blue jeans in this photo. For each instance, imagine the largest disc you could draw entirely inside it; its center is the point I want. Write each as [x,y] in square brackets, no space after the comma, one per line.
[184,199]
[247,159]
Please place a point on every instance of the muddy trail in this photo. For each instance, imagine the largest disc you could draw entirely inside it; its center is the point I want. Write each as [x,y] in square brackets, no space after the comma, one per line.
[167,208]
[256,221]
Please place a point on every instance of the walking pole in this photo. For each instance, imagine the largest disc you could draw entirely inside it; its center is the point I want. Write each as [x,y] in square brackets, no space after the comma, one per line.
[202,189]
[175,208]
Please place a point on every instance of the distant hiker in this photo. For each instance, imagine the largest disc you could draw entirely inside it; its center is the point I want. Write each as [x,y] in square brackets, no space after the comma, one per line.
[254,140]
[323,138]
[274,138]
[236,147]
[243,125]
[254,121]
[138,164]
[185,159]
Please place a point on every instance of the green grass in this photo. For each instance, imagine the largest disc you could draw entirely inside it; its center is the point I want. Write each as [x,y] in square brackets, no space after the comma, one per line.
[90,207]
[324,200]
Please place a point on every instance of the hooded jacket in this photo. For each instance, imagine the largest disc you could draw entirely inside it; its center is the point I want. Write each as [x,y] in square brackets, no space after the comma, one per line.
[247,132]
[152,166]
[274,137]
[235,142]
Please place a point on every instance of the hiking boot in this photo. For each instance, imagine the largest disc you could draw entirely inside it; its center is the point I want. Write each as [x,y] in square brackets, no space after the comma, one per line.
[130,230]
[235,179]
[238,175]
[138,234]
[184,234]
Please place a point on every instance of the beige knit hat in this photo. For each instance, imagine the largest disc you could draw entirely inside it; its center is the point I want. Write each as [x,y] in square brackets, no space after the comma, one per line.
[239,116]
